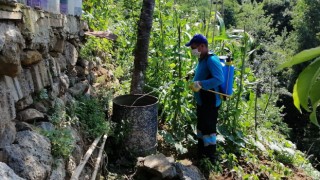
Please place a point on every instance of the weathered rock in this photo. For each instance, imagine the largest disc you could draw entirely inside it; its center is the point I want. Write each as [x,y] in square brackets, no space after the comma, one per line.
[55,90]
[189,172]
[57,20]
[64,83]
[84,25]
[98,62]
[14,87]
[40,106]
[23,126]
[30,57]
[71,54]
[36,29]
[159,164]
[78,146]
[36,77]
[7,107]
[92,65]
[72,72]
[44,71]
[80,71]
[3,157]
[31,156]
[26,82]
[90,92]
[8,135]
[54,67]
[79,88]
[6,173]
[83,63]
[91,78]
[30,115]
[57,42]
[72,25]
[62,62]
[59,172]
[24,103]
[11,43]
[46,126]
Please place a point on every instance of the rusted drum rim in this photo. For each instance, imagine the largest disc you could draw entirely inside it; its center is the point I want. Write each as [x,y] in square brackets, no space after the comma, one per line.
[128,99]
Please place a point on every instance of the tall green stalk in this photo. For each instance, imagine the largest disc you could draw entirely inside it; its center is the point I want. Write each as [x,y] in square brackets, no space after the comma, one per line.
[243,59]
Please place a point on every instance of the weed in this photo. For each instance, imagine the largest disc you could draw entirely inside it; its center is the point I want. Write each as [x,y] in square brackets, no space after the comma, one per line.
[92,117]
[61,142]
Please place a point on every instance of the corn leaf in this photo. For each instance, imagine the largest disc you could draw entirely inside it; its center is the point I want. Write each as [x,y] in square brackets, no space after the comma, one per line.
[315,99]
[305,81]
[301,57]
[296,100]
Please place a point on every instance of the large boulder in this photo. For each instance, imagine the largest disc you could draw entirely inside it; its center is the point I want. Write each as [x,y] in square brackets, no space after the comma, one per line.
[159,165]
[26,82]
[61,61]
[36,29]
[189,172]
[7,134]
[31,156]
[30,57]
[6,173]
[30,115]
[7,110]
[46,126]
[23,126]
[24,103]
[71,54]
[79,88]
[59,171]
[11,45]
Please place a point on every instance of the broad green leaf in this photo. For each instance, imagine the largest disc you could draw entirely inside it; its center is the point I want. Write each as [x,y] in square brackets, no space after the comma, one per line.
[315,99]
[305,81]
[296,100]
[301,57]
[314,93]
[313,117]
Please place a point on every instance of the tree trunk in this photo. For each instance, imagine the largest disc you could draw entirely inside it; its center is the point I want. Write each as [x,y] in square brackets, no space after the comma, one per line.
[142,45]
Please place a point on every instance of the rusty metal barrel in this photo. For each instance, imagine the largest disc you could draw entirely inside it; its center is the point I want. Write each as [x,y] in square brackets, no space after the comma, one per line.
[141,113]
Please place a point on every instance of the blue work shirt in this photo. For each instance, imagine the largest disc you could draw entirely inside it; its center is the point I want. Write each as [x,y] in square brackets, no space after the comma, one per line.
[210,65]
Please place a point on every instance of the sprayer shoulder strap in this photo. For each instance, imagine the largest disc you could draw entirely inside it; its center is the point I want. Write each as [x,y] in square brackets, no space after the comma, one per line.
[210,76]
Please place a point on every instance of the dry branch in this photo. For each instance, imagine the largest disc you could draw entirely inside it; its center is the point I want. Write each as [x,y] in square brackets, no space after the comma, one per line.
[94,174]
[77,172]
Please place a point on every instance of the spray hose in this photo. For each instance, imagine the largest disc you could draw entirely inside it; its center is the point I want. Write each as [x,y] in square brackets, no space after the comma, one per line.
[167,86]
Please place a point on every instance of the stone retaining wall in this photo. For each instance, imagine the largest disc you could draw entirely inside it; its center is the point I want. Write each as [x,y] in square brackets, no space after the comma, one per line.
[38,50]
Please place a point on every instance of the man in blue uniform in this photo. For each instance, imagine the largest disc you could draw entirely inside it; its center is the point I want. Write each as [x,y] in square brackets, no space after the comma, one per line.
[208,76]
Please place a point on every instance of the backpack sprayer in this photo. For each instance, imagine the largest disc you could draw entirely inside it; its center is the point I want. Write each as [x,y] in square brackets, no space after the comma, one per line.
[228,73]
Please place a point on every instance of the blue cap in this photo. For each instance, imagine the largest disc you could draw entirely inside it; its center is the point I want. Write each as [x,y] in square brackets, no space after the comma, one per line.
[198,38]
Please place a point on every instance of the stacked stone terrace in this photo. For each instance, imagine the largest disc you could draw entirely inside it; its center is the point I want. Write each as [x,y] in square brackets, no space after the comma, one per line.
[38,50]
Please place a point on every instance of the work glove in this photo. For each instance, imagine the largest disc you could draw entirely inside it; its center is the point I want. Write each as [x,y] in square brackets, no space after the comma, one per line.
[195,86]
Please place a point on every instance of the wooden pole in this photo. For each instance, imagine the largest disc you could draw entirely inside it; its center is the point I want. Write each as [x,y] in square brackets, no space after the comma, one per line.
[96,168]
[77,172]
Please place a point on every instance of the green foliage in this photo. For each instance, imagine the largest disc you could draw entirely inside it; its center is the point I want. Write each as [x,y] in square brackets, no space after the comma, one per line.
[207,166]
[307,29]
[92,117]
[250,125]
[307,84]
[61,142]
[95,45]
[60,137]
